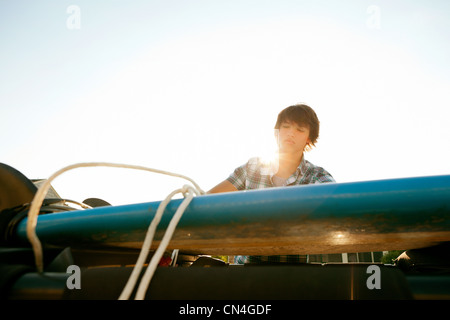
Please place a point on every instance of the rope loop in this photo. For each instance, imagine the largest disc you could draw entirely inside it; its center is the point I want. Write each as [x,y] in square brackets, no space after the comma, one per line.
[187,191]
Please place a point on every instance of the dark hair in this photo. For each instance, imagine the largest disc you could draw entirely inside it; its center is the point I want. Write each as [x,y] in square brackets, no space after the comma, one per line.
[303,115]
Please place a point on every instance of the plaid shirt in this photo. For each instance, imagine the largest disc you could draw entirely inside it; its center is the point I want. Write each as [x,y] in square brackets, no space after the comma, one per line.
[256,174]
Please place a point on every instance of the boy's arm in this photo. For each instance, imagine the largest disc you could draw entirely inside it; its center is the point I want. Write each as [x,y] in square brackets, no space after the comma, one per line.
[224,186]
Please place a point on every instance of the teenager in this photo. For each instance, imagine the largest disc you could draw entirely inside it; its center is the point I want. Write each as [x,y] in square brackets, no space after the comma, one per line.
[296,131]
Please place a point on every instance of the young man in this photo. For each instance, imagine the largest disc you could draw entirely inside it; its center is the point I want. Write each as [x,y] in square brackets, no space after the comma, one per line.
[296,130]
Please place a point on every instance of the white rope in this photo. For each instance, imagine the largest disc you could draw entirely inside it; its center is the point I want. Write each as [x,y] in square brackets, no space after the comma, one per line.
[128,289]
[43,189]
[126,293]
[145,281]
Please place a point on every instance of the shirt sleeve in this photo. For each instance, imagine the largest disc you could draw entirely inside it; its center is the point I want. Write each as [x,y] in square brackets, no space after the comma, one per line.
[238,177]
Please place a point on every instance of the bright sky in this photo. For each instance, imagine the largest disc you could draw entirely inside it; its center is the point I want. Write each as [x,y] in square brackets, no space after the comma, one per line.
[194,87]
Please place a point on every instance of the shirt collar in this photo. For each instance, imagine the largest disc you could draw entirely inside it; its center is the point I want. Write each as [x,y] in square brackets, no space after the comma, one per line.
[303,166]
[300,171]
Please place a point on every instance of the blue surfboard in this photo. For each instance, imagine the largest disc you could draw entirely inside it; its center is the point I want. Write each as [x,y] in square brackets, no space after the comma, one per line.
[380,215]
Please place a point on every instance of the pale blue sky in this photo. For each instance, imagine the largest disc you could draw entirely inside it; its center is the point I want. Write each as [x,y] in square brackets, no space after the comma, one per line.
[194,87]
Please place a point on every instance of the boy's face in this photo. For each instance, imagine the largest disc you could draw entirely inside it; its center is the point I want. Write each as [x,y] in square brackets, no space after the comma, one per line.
[292,137]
